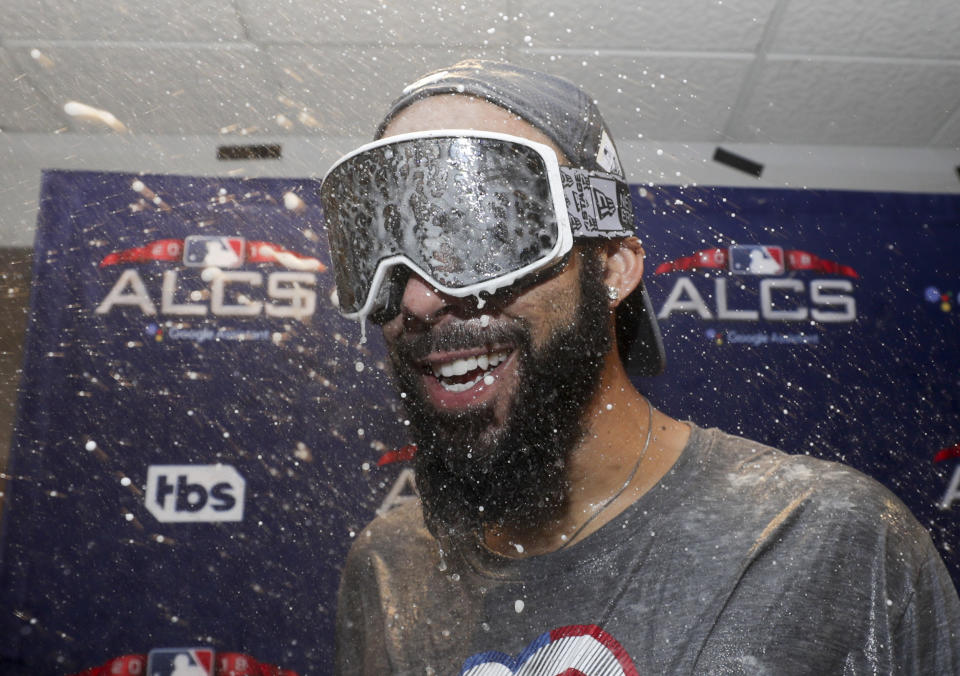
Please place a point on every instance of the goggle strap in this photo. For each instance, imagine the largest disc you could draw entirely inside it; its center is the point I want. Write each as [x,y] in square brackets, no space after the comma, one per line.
[598,203]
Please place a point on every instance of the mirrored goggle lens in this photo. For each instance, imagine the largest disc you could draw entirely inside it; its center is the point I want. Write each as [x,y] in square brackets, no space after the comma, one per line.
[464,210]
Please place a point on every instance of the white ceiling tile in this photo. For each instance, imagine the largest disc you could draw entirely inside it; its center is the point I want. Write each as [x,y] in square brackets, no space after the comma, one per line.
[22,108]
[674,25]
[466,24]
[155,91]
[119,20]
[848,102]
[346,91]
[900,28]
[949,135]
[660,97]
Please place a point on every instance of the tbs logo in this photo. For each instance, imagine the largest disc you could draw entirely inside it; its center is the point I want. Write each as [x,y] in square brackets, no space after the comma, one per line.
[179,493]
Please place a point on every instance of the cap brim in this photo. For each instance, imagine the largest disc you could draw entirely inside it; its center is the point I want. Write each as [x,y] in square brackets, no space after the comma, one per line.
[646,356]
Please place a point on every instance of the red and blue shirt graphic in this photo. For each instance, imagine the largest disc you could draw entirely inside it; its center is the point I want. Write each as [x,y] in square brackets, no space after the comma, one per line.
[574,650]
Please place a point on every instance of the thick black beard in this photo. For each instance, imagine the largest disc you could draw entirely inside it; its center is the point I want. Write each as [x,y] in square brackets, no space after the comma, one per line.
[467,473]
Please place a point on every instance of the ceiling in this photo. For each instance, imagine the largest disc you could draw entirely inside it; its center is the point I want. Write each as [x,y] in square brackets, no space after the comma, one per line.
[816,72]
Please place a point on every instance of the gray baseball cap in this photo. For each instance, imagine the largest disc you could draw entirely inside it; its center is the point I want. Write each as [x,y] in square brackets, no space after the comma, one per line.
[571,119]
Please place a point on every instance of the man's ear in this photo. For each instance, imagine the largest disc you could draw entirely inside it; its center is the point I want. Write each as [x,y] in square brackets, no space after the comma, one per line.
[623,267]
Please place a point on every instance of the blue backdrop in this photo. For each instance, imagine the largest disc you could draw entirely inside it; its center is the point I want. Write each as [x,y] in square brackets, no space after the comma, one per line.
[198,429]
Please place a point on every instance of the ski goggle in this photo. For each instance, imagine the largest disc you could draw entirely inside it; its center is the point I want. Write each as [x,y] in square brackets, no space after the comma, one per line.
[469,212]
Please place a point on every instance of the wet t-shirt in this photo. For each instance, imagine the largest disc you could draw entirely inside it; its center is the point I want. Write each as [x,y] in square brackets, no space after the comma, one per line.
[741,560]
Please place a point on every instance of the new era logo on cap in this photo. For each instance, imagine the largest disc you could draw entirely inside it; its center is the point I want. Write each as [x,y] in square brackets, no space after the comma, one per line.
[607,155]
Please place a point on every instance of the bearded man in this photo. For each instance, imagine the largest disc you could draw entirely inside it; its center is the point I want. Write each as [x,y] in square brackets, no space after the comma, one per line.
[565,526]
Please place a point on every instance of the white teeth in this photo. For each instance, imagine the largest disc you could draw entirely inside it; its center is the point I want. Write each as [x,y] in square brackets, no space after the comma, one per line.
[460,387]
[459,367]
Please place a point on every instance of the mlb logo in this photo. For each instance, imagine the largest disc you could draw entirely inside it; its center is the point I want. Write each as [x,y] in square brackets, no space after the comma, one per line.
[180,662]
[756,259]
[201,251]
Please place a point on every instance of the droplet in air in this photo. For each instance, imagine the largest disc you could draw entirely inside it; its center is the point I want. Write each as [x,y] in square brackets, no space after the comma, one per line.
[518,605]
[292,202]
[82,111]
[41,58]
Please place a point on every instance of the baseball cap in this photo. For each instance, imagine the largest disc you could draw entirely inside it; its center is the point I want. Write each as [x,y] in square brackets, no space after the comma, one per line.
[571,119]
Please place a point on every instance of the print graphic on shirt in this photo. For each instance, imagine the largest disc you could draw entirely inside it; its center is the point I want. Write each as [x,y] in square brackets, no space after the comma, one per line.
[581,649]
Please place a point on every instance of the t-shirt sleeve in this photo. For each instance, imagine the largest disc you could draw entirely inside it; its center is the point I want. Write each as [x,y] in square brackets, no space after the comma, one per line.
[926,637]
[841,578]
[360,646]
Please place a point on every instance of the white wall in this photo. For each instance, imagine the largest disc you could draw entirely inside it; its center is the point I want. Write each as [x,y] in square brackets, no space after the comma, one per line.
[24,156]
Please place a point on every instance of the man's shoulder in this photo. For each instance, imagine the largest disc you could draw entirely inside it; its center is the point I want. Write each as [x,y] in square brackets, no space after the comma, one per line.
[823,490]
[398,532]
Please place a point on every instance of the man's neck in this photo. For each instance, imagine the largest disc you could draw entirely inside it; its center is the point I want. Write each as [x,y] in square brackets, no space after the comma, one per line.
[626,448]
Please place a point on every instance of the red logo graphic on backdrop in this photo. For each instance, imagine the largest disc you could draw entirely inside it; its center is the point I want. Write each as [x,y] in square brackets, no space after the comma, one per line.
[214,251]
[756,259]
[184,662]
[953,490]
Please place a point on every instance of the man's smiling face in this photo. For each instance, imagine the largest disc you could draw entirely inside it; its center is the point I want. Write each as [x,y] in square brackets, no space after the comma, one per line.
[496,394]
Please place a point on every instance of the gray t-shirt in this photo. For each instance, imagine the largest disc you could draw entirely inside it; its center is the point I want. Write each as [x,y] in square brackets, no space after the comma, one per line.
[741,560]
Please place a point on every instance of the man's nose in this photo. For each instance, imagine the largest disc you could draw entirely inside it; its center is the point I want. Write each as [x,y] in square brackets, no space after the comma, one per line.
[421,301]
